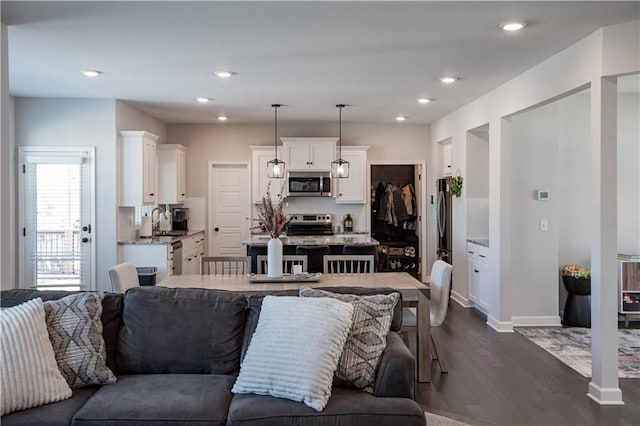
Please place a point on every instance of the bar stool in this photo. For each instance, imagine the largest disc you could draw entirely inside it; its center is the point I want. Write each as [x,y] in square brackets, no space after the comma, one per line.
[315,256]
[254,252]
[371,249]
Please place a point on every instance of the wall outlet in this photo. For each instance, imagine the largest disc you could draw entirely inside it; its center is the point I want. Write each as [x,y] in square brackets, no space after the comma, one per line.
[544,225]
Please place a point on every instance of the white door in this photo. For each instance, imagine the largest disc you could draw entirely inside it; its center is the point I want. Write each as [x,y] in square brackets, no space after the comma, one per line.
[297,156]
[56,211]
[229,199]
[321,154]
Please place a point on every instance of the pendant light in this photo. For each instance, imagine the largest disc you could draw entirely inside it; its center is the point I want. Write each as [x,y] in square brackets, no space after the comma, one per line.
[340,167]
[275,167]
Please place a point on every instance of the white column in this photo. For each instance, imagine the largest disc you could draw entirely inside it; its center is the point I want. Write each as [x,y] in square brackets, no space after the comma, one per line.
[604,386]
[500,309]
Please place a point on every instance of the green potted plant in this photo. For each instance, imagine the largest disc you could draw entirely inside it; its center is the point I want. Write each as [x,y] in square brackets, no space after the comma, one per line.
[455,186]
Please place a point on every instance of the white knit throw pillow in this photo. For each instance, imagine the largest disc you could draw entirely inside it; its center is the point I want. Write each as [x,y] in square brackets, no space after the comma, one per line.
[30,375]
[295,349]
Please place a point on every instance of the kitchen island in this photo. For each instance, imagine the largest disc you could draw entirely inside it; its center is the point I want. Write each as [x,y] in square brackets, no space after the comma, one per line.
[339,240]
[257,245]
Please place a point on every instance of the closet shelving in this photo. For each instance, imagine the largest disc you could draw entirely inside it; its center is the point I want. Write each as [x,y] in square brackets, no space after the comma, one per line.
[393,218]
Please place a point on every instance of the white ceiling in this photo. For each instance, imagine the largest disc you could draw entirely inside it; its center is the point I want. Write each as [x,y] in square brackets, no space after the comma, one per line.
[377,57]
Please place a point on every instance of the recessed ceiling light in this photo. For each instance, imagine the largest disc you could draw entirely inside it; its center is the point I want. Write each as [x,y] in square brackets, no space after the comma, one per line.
[91,73]
[203,100]
[401,118]
[222,117]
[448,80]
[224,74]
[424,100]
[513,26]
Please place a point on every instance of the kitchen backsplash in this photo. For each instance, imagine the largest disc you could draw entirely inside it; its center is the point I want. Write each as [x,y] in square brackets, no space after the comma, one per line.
[329,205]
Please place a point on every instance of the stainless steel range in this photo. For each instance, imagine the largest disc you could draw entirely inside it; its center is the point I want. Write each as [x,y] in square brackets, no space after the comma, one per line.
[310,224]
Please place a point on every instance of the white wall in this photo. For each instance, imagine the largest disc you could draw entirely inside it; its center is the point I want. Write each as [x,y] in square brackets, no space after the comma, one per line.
[629,173]
[8,233]
[130,118]
[534,254]
[79,123]
[476,185]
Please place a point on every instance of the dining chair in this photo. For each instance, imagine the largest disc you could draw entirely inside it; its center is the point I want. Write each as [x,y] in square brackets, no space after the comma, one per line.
[225,265]
[348,264]
[363,249]
[440,283]
[123,276]
[315,254]
[287,263]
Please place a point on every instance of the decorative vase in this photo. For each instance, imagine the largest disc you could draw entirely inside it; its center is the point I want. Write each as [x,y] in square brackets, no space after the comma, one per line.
[274,258]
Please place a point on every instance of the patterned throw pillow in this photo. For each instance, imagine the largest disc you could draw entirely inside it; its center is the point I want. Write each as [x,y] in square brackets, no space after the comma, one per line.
[367,340]
[295,349]
[30,376]
[75,331]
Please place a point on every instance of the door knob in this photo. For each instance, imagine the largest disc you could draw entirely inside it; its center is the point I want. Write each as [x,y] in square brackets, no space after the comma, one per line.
[216,229]
[85,240]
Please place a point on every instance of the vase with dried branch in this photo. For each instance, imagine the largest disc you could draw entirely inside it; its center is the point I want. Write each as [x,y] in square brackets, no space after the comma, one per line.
[272,220]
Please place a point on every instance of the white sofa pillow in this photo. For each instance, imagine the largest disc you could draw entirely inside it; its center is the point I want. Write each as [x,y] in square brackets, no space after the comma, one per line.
[30,375]
[295,349]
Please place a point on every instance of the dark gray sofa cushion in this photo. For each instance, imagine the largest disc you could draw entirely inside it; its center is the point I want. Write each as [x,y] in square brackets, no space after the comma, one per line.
[345,407]
[111,314]
[58,413]
[187,331]
[160,399]
[254,303]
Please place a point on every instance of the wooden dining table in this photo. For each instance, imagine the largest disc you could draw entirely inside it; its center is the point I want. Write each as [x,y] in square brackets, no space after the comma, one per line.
[413,295]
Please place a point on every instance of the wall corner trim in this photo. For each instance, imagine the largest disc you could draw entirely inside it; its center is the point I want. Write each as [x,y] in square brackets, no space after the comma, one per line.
[500,327]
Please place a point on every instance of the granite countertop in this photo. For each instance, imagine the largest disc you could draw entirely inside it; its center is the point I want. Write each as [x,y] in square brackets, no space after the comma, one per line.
[480,241]
[161,239]
[331,240]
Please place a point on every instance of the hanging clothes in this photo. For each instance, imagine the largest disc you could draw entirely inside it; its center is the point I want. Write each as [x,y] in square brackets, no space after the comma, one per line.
[409,197]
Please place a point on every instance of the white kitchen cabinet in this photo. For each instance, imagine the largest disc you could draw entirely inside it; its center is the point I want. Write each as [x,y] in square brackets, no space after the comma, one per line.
[259,177]
[447,160]
[147,255]
[478,271]
[354,189]
[192,251]
[138,168]
[309,154]
[172,182]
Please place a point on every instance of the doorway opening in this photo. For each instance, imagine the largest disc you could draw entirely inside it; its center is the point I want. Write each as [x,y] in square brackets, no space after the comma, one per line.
[56,187]
[396,217]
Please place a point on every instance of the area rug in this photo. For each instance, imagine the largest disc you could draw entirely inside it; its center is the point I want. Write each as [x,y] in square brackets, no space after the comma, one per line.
[572,345]
[436,420]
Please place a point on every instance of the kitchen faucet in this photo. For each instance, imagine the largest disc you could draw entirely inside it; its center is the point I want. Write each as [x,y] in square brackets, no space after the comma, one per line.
[155,224]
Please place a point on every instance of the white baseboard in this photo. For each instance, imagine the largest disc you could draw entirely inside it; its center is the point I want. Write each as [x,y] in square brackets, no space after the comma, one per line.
[462,301]
[501,327]
[605,396]
[536,321]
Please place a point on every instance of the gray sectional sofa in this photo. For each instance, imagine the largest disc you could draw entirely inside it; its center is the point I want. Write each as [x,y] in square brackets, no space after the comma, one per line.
[177,352]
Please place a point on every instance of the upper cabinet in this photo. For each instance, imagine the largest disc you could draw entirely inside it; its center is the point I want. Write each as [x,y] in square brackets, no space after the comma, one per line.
[261,155]
[304,154]
[353,190]
[447,160]
[172,182]
[138,168]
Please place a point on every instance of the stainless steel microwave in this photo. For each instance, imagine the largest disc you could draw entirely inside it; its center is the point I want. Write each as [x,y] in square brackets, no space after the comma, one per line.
[309,185]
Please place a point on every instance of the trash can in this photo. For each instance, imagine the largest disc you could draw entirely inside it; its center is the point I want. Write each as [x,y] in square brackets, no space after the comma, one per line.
[147,275]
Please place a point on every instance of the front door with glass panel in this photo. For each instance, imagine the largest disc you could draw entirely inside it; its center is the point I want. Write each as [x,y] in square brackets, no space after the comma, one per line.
[56,212]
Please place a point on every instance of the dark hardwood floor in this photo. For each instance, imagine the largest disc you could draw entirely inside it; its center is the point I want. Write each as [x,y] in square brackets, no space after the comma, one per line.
[503,379]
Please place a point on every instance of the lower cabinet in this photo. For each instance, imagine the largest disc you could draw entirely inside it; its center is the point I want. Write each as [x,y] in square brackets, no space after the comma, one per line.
[143,255]
[192,251]
[477,276]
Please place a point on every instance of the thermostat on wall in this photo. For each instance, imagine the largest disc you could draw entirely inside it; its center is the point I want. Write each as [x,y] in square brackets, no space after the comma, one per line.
[543,195]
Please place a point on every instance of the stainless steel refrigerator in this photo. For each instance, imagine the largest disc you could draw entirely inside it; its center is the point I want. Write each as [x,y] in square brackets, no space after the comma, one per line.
[444,224]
